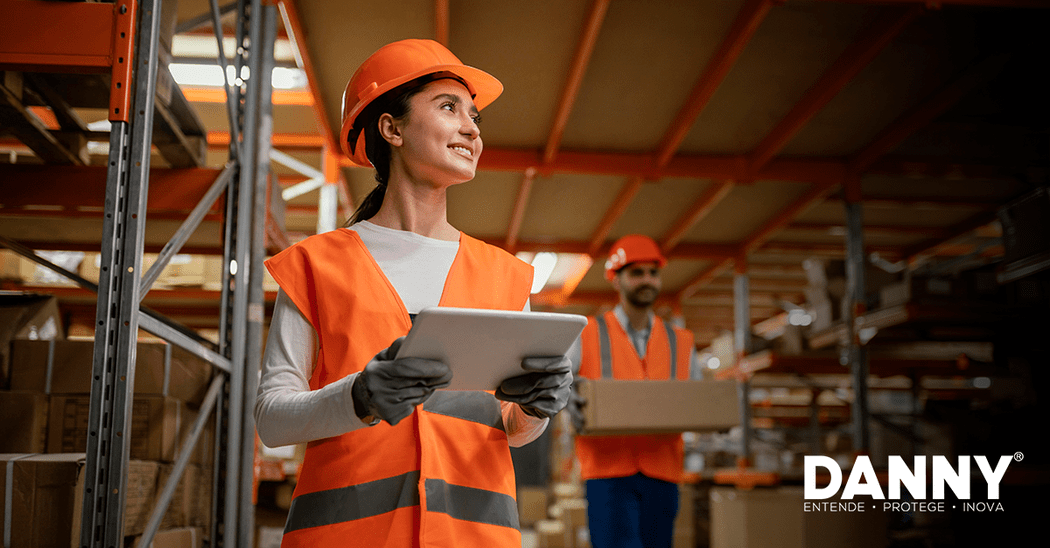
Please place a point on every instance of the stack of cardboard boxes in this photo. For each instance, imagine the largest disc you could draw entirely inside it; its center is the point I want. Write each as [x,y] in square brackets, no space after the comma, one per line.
[46,396]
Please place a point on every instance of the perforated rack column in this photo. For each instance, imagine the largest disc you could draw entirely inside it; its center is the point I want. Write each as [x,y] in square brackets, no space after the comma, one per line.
[117,312]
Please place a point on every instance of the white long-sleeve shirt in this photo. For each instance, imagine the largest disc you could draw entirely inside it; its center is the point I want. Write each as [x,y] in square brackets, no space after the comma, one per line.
[287,411]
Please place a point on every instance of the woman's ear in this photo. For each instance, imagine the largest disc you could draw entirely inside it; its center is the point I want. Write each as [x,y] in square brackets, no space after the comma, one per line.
[390,130]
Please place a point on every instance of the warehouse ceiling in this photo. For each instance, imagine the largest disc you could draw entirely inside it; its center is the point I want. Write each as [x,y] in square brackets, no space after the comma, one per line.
[732,132]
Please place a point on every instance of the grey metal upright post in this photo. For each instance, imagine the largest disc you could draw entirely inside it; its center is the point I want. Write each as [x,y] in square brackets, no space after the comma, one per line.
[856,354]
[262,65]
[116,316]
[742,345]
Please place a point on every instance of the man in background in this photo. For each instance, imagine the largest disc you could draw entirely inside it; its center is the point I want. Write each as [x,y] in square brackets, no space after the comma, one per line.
[632,481]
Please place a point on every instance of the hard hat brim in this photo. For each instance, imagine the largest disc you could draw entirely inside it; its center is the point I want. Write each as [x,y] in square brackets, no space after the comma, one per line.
[483,87]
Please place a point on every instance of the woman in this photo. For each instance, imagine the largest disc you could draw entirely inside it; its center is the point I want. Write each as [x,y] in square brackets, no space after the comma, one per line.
[391,462]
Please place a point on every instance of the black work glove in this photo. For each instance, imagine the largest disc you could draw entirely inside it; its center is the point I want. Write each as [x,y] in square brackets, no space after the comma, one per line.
[544,390]
[390,389]
[575,408]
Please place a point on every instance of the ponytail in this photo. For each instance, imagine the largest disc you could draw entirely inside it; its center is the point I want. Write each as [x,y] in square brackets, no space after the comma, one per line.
[369,206]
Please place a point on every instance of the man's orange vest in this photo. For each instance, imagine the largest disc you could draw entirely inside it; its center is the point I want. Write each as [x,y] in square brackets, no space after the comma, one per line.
[441,477]
[607,352]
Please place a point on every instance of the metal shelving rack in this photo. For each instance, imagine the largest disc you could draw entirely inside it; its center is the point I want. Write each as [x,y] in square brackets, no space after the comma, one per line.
[123,41]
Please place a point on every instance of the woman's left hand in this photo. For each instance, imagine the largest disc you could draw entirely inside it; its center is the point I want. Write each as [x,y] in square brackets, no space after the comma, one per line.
[544,390]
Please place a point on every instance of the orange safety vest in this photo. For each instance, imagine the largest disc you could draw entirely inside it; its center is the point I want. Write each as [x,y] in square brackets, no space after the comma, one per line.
[441,477]
[608,353]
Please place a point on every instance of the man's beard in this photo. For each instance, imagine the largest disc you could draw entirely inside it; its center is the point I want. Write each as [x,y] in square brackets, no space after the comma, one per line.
[641,297]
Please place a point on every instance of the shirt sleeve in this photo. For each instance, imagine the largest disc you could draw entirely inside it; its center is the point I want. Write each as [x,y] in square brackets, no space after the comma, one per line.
[287,411]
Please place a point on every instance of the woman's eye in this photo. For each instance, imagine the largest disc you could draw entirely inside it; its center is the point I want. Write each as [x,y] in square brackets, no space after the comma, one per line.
[450,106]
[477,119]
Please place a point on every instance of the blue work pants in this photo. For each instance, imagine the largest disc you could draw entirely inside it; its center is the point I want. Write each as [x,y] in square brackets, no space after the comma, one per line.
[632,512]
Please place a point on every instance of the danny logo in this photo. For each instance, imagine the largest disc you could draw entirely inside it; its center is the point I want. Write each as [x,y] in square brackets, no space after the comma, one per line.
[863,480]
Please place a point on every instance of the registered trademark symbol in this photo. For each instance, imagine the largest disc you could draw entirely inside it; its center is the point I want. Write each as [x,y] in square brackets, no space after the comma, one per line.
[1018,456]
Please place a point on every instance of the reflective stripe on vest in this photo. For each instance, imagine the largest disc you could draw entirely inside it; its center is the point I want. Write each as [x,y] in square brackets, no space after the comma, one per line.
[353,502]
[479,407]
[605,348]
[386,495]
[470,504]
[672,339]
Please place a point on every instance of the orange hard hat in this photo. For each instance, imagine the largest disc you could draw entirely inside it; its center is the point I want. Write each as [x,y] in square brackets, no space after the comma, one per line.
[395,64]
[633,248]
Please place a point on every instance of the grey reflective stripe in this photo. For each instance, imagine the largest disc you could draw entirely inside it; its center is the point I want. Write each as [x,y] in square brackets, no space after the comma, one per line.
[354,502]
[605,347]
[471,504]
[672,339]
[473,406]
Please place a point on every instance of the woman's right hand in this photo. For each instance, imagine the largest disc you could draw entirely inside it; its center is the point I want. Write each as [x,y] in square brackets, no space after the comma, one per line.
[392,388]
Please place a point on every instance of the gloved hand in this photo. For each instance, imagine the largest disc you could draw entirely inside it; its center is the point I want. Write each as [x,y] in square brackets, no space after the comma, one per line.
[544,390]
[575,408]
[390,389]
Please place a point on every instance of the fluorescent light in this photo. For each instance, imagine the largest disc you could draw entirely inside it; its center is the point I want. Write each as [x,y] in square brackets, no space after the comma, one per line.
[189,74]
[196,75]
[543,265]
[288,78]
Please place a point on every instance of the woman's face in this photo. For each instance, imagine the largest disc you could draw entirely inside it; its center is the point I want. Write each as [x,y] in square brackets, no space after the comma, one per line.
[440,138]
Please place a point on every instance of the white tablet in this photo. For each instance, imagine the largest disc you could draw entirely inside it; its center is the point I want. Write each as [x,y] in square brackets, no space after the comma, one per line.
[484,347]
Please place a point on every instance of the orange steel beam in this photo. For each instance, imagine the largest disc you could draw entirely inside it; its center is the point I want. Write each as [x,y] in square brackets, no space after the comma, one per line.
[85,186]
[46,117]
[441,21]
[705,277]
[703,205]
[303,98]
[925,112]
[297,36]
[816,194]
[73,37]
[57,36]
[219,140]
[856,57]
[518,214]
[683,251]
[623,200]
[582,58]
[743,27]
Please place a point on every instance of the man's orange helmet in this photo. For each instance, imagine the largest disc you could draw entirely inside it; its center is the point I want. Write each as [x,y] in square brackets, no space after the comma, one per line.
[395,64]
[633,248]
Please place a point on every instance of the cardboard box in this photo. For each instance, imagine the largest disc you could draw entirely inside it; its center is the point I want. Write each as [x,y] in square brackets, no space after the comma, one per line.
[774,518]
[201,509]
[532,504]
[43,491]
[181,508]
[24,425]
[47,498]
[25,316]
[652,407]
[140,494]
[182,537]
[64,367]
[155,425]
